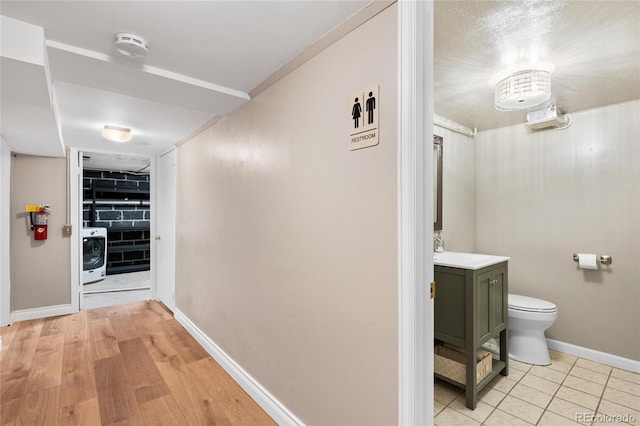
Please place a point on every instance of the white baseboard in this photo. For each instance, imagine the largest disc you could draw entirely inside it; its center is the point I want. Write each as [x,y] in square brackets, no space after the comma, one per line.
[263,397]
[44,312]
[593,355]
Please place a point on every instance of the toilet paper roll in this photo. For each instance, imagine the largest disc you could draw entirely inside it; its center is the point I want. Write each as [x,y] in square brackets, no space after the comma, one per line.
[587,261]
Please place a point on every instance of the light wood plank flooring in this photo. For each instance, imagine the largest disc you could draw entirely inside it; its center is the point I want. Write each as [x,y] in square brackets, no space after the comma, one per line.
[127,365]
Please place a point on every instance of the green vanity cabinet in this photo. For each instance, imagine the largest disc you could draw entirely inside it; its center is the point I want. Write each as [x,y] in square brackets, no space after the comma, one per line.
[471,308]
[490,302]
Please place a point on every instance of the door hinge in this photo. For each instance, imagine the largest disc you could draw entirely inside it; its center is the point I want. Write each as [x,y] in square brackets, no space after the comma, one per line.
[433,290]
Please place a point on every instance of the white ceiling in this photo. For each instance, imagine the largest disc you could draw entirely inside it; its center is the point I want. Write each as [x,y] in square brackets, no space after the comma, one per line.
[204,58]
[26,104]
[594,45]
[119,162]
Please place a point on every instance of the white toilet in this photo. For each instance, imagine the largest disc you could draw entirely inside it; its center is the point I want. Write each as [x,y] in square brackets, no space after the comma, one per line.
[528,319]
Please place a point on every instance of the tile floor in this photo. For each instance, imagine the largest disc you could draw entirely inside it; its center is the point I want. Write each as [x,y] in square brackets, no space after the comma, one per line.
[108,292]
[140,280]
[570,391]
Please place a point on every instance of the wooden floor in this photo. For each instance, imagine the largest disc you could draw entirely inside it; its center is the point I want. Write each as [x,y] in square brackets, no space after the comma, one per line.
[126,365]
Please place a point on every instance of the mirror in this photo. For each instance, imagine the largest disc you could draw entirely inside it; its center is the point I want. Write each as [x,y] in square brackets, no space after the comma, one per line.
[437,183]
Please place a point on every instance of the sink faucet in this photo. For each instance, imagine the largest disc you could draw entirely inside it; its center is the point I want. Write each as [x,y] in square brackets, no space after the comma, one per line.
[438,242]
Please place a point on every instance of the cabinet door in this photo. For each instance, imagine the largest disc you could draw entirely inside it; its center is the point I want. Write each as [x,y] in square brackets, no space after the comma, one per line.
[498,299]
[483,314]
[449,306]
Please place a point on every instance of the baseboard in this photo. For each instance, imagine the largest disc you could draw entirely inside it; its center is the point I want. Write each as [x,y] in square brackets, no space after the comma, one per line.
[44,312]
[263,397]
[593,355]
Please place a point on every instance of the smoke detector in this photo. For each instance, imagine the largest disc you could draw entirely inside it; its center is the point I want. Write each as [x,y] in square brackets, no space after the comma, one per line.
[131,45]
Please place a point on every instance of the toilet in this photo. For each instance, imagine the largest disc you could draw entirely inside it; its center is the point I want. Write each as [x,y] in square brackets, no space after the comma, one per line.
[528,319]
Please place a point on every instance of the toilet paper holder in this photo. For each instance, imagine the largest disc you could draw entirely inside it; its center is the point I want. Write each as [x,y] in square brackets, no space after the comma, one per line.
[604,259]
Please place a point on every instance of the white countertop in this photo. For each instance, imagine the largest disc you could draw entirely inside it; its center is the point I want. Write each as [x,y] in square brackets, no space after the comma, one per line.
[471,261]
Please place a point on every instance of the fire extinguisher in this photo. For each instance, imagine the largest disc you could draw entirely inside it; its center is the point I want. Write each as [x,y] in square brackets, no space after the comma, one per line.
[40,225]
[39,216]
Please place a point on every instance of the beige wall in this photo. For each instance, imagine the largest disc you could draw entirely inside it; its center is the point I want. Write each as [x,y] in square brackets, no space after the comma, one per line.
[286,240]
[542,196]
[459,191]
[40,275]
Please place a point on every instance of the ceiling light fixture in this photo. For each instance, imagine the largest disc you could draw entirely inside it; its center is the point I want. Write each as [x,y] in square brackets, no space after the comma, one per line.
[116,134]
[131,45]
[523,89]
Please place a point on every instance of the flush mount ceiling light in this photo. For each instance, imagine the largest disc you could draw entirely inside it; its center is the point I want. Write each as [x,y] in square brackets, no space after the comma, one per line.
[116,134]
[131,45]
[523,89]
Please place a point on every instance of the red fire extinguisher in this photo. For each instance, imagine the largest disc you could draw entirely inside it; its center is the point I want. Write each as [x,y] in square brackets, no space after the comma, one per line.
[40,225]
[39,215]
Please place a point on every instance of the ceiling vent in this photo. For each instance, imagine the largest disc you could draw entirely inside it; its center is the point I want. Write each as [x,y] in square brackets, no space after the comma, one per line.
[548,117]
[131,45]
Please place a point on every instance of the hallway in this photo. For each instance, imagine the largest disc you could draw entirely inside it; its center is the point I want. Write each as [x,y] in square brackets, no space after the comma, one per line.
[132,363]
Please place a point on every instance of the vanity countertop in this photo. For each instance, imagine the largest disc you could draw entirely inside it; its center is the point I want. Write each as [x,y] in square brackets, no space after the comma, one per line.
[471,261]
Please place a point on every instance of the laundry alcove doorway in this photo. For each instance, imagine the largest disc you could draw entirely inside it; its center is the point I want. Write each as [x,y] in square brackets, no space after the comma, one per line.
[115,198]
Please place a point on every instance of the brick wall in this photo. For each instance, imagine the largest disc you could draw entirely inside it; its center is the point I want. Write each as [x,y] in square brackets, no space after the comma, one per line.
[128,251]
[122,206]
[116,215]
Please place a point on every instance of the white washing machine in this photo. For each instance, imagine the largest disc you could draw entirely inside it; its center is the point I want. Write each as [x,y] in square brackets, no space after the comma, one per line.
[94,254]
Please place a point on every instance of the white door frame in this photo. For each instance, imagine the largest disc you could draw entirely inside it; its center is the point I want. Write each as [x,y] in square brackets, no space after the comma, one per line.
[415,212]
[75,201]
[75,208]
[5,229]
[153,226]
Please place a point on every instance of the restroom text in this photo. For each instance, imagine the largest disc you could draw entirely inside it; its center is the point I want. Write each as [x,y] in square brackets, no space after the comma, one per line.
[363,137]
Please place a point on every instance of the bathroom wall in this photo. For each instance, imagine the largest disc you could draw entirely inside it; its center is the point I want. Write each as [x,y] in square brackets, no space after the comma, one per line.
[40,273]
[459,191]
[287,240]
[544,195]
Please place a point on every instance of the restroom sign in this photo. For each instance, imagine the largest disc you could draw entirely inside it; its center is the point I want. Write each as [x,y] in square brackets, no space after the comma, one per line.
[363,106]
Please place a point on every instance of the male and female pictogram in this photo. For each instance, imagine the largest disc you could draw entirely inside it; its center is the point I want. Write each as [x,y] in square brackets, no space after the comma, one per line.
[364,133]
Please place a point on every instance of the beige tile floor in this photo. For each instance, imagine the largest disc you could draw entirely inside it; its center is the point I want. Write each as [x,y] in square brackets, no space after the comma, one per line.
[570,391]
[140,280]
[109,291]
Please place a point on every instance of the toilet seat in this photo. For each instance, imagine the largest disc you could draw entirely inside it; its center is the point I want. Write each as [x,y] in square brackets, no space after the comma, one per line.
[530,304]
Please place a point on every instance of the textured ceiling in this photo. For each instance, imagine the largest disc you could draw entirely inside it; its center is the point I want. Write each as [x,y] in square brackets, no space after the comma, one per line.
[204,58]
[594,46]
